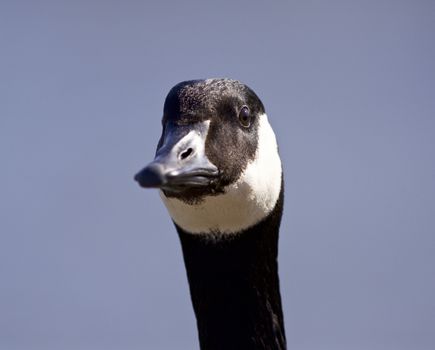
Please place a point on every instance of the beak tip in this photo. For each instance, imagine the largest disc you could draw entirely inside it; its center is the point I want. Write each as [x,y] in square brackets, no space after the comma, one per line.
[152,176]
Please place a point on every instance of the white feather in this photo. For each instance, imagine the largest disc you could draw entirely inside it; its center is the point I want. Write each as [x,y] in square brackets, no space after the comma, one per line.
[245,202]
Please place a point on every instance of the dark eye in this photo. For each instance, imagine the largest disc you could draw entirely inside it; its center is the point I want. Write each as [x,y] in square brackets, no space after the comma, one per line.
[245,117]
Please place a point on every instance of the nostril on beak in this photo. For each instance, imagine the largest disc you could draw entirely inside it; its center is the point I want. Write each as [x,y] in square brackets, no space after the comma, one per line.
[185,154]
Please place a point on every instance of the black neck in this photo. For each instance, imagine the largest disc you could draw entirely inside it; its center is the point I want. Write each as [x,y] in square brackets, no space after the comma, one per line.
[235,288]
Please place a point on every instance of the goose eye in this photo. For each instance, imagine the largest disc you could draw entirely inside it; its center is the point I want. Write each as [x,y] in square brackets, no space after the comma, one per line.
[245,117]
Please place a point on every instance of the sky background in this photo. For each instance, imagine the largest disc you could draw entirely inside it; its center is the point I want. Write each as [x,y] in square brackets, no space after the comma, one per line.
[90,261]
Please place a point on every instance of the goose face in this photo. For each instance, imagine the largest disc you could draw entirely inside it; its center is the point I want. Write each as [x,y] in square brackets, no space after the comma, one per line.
[209,135]
[217,159]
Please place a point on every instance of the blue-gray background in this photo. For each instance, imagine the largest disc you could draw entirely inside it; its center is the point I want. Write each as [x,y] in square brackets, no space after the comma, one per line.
[88,260]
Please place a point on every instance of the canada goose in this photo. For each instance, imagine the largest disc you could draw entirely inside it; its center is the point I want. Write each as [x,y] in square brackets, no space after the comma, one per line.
[219,173]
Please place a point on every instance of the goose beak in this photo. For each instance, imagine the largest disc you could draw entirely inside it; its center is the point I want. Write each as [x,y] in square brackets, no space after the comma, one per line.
[180,161]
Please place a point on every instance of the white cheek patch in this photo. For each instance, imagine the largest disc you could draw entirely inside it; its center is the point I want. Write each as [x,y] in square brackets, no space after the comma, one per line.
[245,202]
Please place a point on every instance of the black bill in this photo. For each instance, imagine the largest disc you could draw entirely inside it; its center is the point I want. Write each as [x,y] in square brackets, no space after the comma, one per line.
[180,163]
